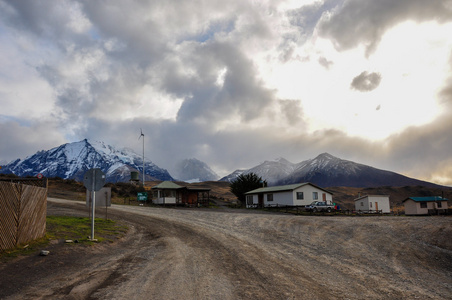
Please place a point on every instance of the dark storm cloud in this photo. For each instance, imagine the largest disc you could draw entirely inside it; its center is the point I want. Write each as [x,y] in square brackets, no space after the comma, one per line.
[240,94]
[366,82]
[365,21]
[19,141]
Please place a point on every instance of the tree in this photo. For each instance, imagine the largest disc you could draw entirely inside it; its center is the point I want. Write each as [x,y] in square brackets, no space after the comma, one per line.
[245,183]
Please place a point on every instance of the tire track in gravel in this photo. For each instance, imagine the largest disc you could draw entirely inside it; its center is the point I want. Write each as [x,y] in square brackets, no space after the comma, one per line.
[207,254]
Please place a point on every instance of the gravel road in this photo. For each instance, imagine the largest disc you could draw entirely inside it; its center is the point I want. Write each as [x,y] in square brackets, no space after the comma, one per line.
[242,254]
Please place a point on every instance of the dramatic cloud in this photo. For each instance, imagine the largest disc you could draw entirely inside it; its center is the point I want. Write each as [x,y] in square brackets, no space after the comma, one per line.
[232,83]
[364,22]
[366,82]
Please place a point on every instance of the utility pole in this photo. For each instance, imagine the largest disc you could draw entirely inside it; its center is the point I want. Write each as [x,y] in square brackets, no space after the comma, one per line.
[142,135]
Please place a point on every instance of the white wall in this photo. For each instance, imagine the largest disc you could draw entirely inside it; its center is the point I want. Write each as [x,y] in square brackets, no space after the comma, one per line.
[290,197]
[281,198]
[166,200]
[414,208]
[308,195]
[368,203]
[411,207]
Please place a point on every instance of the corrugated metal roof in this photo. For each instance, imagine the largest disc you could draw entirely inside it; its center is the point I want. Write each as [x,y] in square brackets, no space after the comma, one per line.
[280,188]
[426,199]
[167,185]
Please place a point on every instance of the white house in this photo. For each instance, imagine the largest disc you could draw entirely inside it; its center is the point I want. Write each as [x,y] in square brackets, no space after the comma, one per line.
[425,205]
[373,203]
[299,194]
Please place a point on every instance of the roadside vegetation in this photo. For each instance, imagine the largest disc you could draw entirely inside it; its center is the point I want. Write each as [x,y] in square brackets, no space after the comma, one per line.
[76,230]
[245,183]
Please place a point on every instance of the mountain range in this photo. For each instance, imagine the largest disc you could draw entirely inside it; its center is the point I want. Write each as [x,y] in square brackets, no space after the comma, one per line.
[327,170]
[72,160]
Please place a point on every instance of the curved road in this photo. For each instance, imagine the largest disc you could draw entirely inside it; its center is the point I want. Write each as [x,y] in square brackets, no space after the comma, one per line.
[242,254]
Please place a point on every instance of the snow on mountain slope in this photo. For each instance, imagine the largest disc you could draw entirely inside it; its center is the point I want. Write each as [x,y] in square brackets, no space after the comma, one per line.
[193,170]
[72,160]
[327,170]
[272,171]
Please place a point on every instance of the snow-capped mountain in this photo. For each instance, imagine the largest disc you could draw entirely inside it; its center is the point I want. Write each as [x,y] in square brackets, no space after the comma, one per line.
[72,160]
[327,170]
[193,170]
[273,171]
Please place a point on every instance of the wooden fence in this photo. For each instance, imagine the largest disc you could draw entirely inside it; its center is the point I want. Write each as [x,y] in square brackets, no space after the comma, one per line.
[23,210]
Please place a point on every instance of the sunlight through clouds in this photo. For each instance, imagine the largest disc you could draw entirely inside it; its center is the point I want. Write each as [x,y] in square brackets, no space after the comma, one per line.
[289,78]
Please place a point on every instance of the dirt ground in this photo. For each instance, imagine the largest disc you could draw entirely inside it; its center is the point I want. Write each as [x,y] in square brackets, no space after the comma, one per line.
[242,254]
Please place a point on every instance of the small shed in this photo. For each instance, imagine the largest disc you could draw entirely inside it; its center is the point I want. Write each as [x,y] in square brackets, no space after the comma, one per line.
[168,192]
[300,194]
[425,205]
[373,203]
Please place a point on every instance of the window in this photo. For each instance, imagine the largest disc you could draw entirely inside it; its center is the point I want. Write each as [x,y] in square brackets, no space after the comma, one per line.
[423,204]
[300,196]
[315,195]
[370,204]
[362,203]
[269,197]
[438,204]
[249,199]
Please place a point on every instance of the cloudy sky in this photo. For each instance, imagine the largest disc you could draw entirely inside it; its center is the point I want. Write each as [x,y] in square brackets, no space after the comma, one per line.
[232,83]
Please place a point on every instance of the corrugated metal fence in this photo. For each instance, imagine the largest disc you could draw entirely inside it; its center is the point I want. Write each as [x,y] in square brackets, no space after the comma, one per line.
[23,210]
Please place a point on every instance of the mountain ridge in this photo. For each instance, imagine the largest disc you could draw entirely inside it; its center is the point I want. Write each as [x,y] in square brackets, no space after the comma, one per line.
[326,170]
[72,160]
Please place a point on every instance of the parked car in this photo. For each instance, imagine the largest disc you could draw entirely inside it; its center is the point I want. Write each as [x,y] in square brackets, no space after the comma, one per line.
[319,206]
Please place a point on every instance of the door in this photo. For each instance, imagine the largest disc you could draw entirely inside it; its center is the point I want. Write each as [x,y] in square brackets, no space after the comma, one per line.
[260,198]
[324,197]
[376,206]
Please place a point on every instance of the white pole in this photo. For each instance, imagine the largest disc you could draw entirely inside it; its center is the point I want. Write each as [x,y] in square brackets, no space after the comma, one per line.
[93,208]
[143,160]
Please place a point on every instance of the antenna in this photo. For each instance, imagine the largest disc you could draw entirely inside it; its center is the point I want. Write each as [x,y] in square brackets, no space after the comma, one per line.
[142,135]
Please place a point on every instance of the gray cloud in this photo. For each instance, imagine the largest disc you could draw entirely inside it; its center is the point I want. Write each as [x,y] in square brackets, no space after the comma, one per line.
[365,21]
[97,58]
[292,111]
[325,63]
[366,82]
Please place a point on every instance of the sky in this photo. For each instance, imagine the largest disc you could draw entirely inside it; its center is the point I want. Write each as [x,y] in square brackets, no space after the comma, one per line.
[232,83]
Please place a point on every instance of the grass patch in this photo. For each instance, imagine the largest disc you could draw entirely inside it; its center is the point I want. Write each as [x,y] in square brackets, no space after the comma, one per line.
[70,228]
[79,229]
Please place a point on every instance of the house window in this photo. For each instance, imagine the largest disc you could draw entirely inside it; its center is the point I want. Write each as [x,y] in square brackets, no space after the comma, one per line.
[269,197]
[438,204]
[315,195]
[249,199]
[300,196]
[362,203]
[423,204]
[370,204]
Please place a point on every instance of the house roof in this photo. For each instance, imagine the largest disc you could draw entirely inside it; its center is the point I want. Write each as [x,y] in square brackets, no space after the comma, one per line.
[167,185]
[426,199]
[282,188]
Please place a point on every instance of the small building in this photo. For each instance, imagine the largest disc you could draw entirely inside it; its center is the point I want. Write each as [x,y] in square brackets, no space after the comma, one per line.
[168,192]
[425,205]
[373,203]
[300,194]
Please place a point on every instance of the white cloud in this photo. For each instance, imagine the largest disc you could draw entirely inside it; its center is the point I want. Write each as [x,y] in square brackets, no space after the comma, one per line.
[222,78]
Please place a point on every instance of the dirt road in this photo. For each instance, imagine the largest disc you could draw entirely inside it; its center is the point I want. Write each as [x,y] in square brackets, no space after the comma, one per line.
[241,254]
